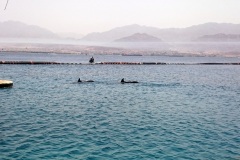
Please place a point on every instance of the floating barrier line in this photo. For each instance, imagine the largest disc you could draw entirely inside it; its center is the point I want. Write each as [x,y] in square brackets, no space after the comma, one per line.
[110,63]
[27,62]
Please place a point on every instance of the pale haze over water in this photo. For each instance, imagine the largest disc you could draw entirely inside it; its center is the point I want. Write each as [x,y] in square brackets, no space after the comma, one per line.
[81,16]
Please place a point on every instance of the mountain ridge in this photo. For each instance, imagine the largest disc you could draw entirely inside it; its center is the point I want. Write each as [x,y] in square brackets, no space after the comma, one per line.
[220,37]
[119,32]
[166,34]
[15,29]
[139,37]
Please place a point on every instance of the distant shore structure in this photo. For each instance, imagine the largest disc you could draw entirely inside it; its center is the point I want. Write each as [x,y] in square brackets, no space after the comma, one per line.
[6,83]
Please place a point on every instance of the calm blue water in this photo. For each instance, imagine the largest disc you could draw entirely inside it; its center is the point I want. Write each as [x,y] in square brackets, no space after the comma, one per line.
[175,112]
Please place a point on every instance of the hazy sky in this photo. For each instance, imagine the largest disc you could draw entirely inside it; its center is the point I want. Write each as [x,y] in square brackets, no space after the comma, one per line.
[85,16]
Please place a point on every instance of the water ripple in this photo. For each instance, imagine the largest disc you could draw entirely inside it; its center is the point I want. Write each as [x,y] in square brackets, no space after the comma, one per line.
[173,113]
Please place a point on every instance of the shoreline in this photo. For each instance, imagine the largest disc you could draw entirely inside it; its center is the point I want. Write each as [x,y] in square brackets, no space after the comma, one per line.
[186,50]
[115,54]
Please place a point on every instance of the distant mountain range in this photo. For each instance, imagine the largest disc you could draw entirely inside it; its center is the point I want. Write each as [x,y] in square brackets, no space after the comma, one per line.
[202,32]
[220,38]
[13,29]
[169,34]
[139,37]
[120,32]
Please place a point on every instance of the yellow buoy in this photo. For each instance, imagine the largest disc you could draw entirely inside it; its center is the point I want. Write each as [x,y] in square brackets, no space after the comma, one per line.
[5,83]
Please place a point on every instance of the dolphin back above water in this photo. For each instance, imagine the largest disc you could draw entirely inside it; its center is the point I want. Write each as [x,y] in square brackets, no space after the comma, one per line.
[82,81]
[123,81]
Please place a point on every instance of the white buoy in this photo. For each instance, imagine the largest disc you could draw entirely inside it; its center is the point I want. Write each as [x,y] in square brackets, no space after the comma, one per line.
[5,83]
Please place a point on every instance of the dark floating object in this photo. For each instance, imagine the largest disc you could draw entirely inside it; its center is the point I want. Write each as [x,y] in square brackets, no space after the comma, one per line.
[91,60]
[5,83]
[82,81]
[123,81]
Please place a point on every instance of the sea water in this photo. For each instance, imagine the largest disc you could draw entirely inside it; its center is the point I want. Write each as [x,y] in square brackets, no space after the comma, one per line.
[174,112]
